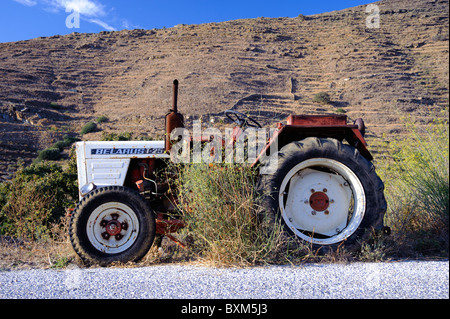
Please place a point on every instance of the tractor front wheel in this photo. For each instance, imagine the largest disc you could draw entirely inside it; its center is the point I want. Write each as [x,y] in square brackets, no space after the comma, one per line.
[324,192]
[112,224]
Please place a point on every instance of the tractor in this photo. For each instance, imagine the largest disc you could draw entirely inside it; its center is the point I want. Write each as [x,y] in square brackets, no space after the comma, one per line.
[321,186]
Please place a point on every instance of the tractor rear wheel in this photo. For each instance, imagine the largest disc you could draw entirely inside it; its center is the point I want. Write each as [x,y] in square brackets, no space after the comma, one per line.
[112,224]
[325,193]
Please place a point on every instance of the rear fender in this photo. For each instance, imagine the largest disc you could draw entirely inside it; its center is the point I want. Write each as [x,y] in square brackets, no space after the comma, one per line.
[301,127]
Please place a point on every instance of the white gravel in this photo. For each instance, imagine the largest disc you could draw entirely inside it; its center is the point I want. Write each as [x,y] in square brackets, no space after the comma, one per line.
[393,280]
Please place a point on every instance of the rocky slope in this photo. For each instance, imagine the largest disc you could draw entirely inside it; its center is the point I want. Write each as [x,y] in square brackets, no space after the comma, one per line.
[268,67]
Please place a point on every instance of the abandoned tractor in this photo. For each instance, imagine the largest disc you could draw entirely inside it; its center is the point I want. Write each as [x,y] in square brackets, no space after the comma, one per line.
[315,176]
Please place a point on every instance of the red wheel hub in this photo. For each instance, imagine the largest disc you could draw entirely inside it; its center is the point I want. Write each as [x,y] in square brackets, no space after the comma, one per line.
[319,201]
[113,227]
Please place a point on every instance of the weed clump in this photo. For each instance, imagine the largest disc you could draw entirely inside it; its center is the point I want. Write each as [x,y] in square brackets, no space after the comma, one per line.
[322,98]
[102,119]
[219,206]
[123,136]
[416,176]
[88,128]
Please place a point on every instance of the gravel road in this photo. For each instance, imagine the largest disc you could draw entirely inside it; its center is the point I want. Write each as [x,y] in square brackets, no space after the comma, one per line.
[393,280]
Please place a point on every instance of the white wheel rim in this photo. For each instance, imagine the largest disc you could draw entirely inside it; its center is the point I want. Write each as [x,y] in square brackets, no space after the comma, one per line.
[112,227]
[324,203]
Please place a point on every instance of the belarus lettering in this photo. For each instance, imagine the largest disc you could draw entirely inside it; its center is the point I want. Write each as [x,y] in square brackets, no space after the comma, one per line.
[126,151]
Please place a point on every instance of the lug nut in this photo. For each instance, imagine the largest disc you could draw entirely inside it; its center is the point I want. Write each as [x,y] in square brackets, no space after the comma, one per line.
[313,213]
[105,235]
[326,212]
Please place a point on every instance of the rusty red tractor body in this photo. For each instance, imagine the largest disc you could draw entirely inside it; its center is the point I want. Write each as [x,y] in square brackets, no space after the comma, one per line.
[315,173]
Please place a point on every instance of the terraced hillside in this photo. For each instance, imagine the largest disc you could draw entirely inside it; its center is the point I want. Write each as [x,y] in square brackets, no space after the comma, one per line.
[267,67]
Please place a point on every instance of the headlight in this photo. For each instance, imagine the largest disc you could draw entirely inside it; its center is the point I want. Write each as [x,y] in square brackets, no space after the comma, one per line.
[86,189]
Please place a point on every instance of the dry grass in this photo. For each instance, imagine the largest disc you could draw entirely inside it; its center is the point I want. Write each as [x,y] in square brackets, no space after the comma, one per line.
[416,176]
[219,203]
[51,253]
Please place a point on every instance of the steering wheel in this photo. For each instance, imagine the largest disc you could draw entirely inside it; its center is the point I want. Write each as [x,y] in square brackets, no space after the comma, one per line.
[241,119]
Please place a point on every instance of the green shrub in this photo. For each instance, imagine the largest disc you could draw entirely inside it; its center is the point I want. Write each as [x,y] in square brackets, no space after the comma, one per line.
[123,136]
[36,198]
[102,119]
[70,139]
[4,190]
[60,145]
[88,128]
[322,97]
[66,142]
[49,154]
[416,176]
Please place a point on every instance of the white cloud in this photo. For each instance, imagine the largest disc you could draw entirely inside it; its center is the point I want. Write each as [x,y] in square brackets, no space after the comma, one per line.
[85,7]
[129,26]
[103,24]
[92,11]
[28,3]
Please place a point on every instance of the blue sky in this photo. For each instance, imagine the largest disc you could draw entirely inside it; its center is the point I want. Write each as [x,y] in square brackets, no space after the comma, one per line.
[27,19]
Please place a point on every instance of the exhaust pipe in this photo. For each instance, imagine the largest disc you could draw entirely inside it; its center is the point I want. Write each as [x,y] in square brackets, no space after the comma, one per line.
[173,118]
[175,97]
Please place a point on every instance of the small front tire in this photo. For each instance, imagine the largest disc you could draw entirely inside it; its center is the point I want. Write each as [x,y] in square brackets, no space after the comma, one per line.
[112,224]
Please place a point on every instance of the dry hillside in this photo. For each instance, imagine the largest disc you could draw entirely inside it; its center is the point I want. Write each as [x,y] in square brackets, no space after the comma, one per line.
[269,67]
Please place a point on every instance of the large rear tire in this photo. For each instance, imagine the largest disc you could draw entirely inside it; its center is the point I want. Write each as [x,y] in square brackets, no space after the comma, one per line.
[325,193]
[112,224]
